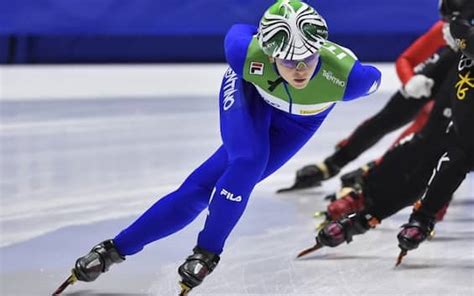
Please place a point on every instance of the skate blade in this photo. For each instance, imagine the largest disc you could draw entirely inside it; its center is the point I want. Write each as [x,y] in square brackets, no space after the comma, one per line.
[320,214]
[284,190]
[69,281]
[325,222]
[330,197]
[298,187]
[321,225]
[309,250]
[402,254]
[184,289]
[431,235]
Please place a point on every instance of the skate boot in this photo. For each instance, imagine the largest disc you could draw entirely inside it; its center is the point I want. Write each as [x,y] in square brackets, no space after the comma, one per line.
[441,213]
[351,202]
[342,230]
[439,216]
[311,175]
[419,228]
[347,201]
[356,177]
[196,267]
[100,258]
[89,267]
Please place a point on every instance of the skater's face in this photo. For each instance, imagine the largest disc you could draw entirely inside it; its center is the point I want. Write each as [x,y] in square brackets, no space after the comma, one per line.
[297,73]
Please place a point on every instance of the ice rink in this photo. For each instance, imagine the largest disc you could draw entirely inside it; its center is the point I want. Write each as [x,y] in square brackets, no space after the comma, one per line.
[81,160]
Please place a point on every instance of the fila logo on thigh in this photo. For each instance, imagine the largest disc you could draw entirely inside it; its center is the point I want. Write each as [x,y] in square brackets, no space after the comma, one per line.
[230,196]
[229,88]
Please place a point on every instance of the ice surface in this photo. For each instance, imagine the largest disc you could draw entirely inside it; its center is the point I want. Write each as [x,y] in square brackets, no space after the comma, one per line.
[76,172]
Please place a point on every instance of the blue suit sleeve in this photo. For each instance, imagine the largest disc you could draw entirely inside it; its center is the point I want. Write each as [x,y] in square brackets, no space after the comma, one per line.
[236,43]
[363,80]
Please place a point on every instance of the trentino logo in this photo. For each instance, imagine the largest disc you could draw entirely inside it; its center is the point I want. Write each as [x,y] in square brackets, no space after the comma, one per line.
[229,88]
[330,76]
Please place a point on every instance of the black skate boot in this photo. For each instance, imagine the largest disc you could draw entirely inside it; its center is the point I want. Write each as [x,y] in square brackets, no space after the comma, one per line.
[419,228]
[311,175]
[349,201]
[100,258]
[346,201]
[196,267]
[89,267]
[356,177]
[342,230]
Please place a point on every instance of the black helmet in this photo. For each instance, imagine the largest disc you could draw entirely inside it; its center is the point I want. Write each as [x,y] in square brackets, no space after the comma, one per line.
[448,7]
[461,25]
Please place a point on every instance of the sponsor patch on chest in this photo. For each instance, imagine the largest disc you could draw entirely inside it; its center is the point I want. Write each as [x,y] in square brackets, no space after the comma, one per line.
[256,68]
[333,79]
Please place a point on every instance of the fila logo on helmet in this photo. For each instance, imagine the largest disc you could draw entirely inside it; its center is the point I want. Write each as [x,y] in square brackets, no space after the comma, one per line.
[230,196]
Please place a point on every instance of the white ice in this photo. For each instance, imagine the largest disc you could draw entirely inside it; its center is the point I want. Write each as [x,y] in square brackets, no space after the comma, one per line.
[75,172]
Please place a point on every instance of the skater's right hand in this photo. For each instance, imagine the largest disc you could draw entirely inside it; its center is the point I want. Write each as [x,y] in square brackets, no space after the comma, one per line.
[418,86]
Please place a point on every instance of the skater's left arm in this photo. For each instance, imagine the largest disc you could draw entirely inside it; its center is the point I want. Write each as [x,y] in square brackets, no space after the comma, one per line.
[236,42]
[363,80]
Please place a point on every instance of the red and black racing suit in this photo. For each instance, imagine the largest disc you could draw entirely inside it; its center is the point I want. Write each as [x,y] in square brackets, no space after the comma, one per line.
[429,56]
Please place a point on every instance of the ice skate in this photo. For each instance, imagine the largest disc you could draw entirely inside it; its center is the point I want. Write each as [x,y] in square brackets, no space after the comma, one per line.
[311,175]
[355,178]
[89,267]
[342,230]
[418,229]
[69,281]
[349,201]
[196,267]
[346,201]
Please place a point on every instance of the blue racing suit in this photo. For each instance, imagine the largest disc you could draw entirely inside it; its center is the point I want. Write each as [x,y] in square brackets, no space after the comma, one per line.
[257,139]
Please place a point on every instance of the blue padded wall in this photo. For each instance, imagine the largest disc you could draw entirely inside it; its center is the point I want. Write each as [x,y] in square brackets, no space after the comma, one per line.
[91,31]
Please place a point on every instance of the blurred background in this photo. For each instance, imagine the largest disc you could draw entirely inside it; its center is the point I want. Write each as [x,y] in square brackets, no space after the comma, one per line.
[151,31]
[107,105]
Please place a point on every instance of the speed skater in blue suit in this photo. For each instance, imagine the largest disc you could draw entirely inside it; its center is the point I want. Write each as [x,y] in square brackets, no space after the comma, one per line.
[284,78]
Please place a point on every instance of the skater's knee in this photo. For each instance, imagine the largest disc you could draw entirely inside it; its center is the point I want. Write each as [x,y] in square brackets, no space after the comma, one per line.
[189,198]
[250,165]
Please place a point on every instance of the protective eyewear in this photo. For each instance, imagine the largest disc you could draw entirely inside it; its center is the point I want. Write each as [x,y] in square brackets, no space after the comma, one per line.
[300,64]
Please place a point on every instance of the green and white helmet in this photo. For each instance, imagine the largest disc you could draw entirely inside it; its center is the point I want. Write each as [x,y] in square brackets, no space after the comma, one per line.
[291,30]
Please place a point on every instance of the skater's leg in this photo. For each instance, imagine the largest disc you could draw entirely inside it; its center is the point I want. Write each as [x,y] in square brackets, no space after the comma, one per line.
[395,114]
[176,210]
[288,133]
[245,125]
[401,176]
[418,123]
[447,177]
